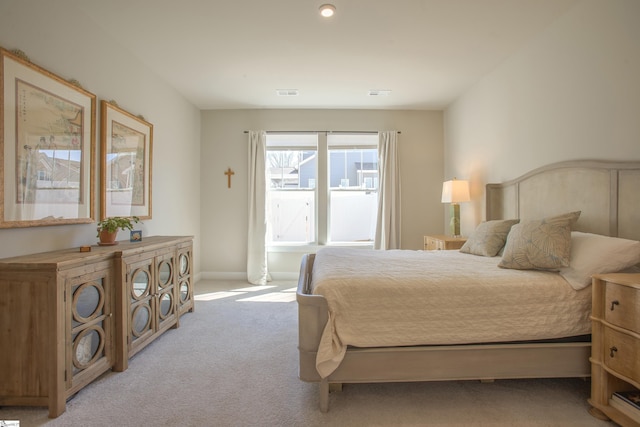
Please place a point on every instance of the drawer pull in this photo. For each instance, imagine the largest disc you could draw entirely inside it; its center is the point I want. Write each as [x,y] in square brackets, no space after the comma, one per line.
[613,349]
[614,303]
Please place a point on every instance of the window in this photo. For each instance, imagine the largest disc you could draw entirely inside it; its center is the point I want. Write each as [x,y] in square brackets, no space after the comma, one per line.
[291,193]
[353,187]
[322,188]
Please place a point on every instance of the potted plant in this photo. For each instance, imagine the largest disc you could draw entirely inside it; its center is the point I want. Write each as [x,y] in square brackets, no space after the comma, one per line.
[108,228]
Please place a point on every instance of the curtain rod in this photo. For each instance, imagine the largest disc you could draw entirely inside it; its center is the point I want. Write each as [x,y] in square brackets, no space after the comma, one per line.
[318,131]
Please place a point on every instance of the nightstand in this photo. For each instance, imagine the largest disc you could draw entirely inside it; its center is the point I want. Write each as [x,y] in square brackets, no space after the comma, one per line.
[440,242]
[615,345]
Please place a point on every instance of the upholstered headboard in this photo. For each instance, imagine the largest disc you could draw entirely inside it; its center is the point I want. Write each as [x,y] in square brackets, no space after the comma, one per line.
[607,193]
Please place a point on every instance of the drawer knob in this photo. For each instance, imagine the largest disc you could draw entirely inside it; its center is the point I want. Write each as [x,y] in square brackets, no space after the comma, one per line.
[614,303]
[613,350]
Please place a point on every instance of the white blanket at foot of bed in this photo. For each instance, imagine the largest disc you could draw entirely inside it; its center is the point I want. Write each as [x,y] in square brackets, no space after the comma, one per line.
[405,298]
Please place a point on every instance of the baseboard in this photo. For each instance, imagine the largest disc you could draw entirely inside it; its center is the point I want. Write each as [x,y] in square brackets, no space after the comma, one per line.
[197,277]
[222,275]
[284,275]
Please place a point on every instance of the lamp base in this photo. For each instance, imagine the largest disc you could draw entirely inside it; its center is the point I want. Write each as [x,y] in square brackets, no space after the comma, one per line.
[454,224]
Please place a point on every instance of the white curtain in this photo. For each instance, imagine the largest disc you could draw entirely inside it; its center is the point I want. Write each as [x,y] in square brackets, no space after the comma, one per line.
[388,225]
[257,273]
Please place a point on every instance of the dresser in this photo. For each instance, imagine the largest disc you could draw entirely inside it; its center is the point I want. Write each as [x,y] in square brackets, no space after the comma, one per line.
[67,316]
[440,242]
[615,355]
[154,289]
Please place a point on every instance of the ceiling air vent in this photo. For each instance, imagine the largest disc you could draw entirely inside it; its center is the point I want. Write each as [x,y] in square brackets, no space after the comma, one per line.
[287,92]
[378,92]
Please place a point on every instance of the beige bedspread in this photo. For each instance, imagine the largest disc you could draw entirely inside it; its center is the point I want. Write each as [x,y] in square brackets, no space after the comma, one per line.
[402,298]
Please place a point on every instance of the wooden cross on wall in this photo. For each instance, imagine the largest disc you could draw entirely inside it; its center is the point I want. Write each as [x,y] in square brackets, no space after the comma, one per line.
[229,172]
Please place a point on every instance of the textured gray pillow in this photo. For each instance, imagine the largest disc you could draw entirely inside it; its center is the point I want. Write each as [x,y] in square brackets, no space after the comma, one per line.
[539,245]
[488,237]
[571,216]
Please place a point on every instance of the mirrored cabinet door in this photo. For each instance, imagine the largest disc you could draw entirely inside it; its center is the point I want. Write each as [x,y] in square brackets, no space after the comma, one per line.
[87,338]
[89,327]
[185,283]
[152,290]
[165,290]
[141,290]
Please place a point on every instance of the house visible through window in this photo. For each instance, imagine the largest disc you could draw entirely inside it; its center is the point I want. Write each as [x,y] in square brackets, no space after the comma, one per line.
[322,188]
[291,193]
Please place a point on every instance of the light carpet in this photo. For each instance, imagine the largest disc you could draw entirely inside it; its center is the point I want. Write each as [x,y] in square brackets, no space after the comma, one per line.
[233,362]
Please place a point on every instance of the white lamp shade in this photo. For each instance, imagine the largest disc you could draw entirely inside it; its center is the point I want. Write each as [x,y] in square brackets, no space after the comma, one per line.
[455,191]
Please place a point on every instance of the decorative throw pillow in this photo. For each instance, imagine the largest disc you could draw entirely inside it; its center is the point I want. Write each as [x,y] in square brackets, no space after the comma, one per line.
[571,216]
[488,237]
[596,254]
[538,245]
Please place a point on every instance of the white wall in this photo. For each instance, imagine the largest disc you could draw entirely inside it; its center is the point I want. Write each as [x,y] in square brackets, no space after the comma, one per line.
[224,144]
[573,92]
[58,37]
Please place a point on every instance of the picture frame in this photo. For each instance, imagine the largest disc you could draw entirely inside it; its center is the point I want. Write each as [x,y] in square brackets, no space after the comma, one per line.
[135,236]
[126,155]
[47,146]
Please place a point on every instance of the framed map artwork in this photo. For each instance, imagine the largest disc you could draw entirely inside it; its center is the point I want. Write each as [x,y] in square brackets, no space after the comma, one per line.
[47,146]
[126,153]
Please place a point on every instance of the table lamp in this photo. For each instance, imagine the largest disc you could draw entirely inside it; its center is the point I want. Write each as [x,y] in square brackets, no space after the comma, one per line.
[455,192]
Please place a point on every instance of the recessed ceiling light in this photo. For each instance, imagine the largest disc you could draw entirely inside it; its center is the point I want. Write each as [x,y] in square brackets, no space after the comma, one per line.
[287,92]
[378,92]
[327,10]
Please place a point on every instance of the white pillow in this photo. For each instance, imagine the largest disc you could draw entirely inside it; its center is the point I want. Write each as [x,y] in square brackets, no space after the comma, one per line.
[596,254]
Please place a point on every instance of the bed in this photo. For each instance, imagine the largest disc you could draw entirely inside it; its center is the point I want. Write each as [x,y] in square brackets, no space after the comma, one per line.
[351,334]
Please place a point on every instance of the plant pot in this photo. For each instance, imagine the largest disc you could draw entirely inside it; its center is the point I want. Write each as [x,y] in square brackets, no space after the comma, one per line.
[108,238]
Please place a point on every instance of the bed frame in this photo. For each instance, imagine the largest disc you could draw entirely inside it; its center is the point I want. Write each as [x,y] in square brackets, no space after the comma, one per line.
[606,193]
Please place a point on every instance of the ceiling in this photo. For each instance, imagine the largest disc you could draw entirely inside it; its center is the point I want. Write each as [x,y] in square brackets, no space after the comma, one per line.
[230,54]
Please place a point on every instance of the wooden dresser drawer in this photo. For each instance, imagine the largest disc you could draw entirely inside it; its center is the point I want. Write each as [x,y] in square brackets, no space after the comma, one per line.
[434,244]
[443,243]
[615,350]
[622,306]
[622,353]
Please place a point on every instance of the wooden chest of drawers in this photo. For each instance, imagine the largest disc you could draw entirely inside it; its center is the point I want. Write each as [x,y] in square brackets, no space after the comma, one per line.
[615,356]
